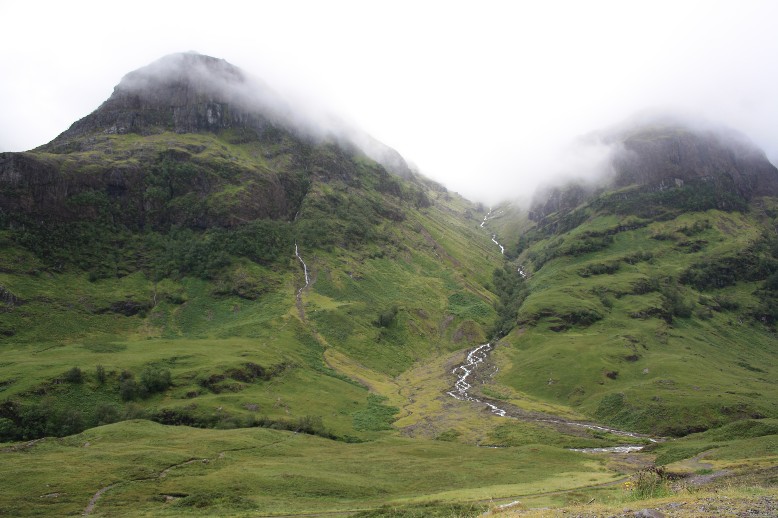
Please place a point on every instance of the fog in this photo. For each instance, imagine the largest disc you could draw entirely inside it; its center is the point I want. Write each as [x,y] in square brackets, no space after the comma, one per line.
[489,98]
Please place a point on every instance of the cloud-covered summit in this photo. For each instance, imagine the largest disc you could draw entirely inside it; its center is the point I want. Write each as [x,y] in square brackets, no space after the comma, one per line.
[190,92]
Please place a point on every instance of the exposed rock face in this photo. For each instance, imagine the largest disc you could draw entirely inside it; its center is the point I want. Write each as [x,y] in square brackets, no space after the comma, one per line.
[669,154]
[192,93]
[185,93]
[556,199]
[92,167]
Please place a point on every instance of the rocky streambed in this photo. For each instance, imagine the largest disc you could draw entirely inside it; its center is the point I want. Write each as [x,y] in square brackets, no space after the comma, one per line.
[478,369]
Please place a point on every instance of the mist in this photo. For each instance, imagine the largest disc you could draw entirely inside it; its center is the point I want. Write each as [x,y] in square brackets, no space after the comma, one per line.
[491,100]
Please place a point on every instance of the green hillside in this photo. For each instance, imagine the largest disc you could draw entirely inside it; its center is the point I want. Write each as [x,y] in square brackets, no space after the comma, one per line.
[209,308]
[650,311]
[393,281]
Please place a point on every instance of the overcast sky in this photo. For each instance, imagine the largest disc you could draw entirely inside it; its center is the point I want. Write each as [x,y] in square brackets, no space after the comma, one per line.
[480,95]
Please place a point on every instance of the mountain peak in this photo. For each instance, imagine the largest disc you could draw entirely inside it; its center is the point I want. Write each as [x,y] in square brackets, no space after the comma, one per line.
[189,92]
[660,150]
[184,93]
[194,70]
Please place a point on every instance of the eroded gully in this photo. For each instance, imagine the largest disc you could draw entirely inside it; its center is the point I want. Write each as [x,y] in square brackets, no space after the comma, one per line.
[476,361]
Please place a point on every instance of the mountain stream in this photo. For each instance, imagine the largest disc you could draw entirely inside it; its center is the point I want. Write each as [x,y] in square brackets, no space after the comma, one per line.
[305,270]
[476,361]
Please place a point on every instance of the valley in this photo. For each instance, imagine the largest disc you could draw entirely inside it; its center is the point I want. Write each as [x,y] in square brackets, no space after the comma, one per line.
[208,308]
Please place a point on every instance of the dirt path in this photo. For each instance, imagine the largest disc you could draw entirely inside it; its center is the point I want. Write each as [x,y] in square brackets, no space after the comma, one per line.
[164,472]
[703,471]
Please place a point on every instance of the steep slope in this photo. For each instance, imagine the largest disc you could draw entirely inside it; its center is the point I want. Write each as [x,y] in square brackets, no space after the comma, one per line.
[651,300]
[660,151]
[153,254]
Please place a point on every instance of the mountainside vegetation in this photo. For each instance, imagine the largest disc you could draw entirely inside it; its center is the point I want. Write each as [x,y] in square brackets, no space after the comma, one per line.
[652,306]
[210,307]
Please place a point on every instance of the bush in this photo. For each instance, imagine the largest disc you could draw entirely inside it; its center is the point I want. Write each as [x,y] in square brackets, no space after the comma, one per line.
[106,413]
[74,375]
[649,483]
[675,304]
[387,318]
[128,389]
[153,380]
[100,374]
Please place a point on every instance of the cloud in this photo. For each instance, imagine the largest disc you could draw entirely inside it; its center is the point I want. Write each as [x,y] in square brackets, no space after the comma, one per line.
[483,97]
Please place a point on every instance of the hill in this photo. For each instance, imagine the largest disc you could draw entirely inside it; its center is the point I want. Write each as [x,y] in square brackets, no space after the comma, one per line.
[160,234]
[212,303]
[651,298]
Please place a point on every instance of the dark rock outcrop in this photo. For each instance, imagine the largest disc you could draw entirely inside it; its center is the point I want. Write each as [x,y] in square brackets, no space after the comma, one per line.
[100,169]
[672,155]
[183,93]
[664,153]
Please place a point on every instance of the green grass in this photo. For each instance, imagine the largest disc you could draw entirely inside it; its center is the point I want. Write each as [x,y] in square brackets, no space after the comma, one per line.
[266,471]
[735,442]
[615,346]
[335,399]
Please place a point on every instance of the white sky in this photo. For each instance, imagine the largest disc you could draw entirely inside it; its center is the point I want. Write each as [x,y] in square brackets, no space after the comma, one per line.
[480,95]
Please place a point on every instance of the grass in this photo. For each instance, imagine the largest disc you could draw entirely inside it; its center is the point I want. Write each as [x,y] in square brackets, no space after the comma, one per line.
[730,501]
[239,472]
[611,346]
[336,400]
[734,443]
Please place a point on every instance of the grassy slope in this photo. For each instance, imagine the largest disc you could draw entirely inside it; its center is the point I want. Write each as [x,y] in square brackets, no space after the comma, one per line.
[245,472]
[434,266]
[631,367]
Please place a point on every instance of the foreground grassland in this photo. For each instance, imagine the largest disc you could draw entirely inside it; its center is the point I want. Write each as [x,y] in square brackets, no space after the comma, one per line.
[169,471]
[730,471]
[191,370]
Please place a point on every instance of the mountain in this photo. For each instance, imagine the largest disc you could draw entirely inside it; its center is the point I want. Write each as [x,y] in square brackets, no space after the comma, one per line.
[152,142]
[210,304]
[650,299]
[194,206]
[659,151]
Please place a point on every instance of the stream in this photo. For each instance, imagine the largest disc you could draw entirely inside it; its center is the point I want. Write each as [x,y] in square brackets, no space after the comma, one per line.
[489,216]
[478,356]
[305,269]
[467,371]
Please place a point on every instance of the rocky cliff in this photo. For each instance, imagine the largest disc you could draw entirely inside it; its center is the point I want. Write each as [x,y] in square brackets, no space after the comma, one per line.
[672,154]
[187,140]
[668,153]
[183,93]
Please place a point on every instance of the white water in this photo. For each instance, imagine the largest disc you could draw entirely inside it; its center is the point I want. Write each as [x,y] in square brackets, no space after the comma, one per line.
[461,392]
[502,248]
[613,449]
[305,270]
[494,240]
[479,355]
[461,387]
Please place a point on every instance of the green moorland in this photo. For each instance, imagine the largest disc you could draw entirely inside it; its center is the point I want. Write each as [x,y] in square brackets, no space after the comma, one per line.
[131,352]
[158,363]
[203,326]
[650,311]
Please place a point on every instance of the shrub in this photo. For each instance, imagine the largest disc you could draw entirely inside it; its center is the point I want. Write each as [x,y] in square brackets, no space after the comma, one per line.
[106,413]
[648,483]
[387,318]
[74,375]
[128,389]
[675,304]
[100,374]
[153,380]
